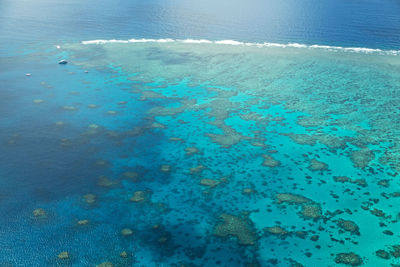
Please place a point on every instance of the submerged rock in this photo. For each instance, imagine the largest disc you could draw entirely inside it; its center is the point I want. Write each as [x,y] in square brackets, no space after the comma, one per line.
[62,62]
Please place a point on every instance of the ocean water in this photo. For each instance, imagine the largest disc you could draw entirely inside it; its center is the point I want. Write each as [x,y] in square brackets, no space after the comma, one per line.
[196,133]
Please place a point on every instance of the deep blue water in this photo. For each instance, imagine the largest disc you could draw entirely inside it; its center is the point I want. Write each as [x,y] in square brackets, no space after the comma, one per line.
[364,23]
[211,154]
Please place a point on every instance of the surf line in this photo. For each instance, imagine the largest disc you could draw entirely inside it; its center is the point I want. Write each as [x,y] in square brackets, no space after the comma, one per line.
[238,43]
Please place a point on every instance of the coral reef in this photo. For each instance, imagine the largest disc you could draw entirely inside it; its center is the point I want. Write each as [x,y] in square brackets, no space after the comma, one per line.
[312,121]
[316,165]
[70,108]
[349,226]
[248,191]
[291,198]
[83,222]
[311,211]
[236,226]
[89,198]
[165,168]
[209,182]
[138,196]
[345,179]
[104,181]
[383,254]
[191,150]
[351,259]
[197,169]
[361,158]
[270,161]
[105,264]
[302,139]
[277,231]
[63,255]
[134,176]
[39,213]
[126,232]
[38,101]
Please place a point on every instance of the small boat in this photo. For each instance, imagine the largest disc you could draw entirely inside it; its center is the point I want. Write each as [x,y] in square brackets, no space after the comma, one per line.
[62,62]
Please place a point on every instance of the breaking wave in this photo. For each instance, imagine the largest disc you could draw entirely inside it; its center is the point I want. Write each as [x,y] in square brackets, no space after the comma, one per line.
[233,42]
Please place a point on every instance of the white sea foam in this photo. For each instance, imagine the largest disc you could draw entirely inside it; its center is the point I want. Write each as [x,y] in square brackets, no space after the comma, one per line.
[238,43]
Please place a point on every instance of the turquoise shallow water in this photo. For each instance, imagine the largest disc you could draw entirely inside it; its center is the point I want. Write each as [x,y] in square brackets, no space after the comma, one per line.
[200,155]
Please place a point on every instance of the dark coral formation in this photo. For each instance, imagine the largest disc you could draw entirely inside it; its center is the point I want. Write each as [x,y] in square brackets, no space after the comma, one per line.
[345,179]
[351,259]
[383,254]
[349,226]
[395,252]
